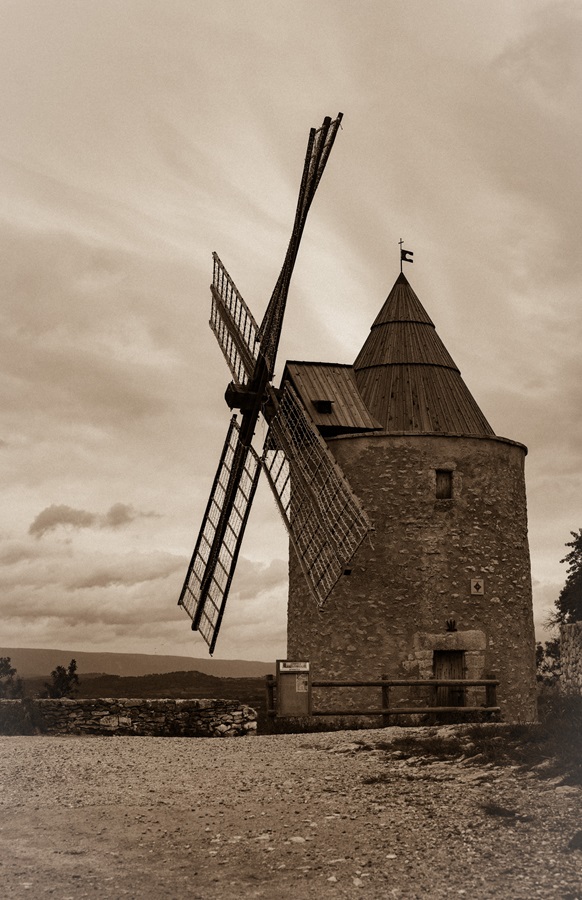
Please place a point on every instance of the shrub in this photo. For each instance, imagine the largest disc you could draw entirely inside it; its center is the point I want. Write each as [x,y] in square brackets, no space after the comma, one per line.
[19,717]
[10,687]
[64,681]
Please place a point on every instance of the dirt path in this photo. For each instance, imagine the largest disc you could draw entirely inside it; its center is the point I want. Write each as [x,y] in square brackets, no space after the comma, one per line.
[283,817]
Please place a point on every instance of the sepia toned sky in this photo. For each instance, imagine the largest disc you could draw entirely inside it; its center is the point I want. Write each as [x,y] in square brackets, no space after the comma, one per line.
[136,137]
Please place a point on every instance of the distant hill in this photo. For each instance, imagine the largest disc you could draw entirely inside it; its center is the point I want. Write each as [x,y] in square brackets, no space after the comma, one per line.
[176,685]
[173,685]
[31,663]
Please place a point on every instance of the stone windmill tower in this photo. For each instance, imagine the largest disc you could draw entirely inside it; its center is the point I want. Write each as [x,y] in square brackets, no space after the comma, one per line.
[443,588]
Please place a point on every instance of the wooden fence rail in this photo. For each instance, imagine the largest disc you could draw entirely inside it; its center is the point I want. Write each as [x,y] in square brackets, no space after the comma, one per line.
[386,710]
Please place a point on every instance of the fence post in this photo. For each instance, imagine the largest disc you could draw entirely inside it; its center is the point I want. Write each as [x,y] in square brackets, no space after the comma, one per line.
[385,702]
[491,693]
[270,687]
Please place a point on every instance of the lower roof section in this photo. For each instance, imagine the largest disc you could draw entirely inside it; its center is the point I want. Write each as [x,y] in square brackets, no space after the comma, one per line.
[330,394]
[425,398]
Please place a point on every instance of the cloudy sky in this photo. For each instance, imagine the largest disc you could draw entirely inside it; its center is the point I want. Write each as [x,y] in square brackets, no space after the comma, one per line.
[136,137]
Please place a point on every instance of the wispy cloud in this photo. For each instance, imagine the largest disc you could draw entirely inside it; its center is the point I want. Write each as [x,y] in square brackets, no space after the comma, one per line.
[130,570]
[57,515]
[54,516]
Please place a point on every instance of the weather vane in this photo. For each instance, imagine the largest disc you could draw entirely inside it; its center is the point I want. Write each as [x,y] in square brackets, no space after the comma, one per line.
[405,255]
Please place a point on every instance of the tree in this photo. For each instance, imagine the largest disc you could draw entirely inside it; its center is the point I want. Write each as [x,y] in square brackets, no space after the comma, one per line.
[63,682]
[10,687]
[569,603]
[548,661]
[567,609]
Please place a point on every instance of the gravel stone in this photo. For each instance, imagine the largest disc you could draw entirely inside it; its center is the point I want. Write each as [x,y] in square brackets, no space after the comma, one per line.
[279,817]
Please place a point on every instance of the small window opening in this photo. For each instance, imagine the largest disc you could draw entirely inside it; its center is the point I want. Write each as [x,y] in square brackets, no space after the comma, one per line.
[444,484]
[323,406]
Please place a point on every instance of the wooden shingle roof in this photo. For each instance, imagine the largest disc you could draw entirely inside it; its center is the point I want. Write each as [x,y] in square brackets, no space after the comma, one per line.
[407,378]
[330,394]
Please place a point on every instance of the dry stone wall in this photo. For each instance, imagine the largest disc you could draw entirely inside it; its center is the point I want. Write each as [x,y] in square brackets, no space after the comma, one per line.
[187,718]
[571,658]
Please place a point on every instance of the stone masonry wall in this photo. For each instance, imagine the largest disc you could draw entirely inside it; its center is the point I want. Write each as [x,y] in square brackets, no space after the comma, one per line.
[571,657]
[388,616]
[188,718]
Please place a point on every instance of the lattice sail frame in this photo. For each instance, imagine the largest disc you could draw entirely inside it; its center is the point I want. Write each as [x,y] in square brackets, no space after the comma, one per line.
[319,148]
[233,324]
[208,579]
[324,518]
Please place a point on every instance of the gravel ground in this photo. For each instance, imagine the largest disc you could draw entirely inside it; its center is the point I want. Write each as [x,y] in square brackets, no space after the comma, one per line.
[283,817]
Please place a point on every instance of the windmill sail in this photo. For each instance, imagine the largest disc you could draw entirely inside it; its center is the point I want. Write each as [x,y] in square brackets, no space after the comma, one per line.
[250,353]
[324,518]
[318,149]
[233,324]
[211,568]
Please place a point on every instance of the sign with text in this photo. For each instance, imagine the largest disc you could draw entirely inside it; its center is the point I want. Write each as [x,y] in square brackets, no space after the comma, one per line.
[289,666]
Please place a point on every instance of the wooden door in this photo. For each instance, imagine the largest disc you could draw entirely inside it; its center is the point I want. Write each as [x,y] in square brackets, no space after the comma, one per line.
[449,664]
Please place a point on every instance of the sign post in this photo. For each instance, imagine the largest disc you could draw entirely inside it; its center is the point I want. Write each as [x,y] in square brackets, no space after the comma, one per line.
[293,688]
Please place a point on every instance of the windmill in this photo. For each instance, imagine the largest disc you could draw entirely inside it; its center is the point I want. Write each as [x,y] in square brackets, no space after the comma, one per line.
[324,518]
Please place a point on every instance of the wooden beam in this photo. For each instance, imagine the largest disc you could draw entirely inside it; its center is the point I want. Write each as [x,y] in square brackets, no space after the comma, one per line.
[405,710]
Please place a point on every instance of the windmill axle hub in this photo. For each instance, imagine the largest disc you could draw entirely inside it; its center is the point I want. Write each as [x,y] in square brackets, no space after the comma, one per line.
[239,397]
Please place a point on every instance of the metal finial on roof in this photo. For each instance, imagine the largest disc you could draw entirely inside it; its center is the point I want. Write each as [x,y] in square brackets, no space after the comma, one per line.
[405,255]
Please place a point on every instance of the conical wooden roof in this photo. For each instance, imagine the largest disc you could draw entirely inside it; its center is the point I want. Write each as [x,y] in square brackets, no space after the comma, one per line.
[406,376]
